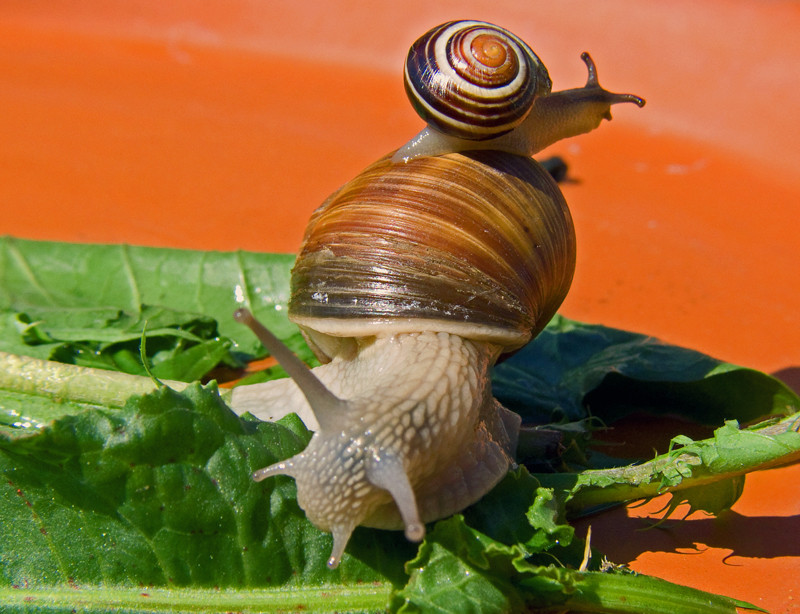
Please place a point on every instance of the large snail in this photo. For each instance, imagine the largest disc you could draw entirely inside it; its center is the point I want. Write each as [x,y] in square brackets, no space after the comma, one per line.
[414,278]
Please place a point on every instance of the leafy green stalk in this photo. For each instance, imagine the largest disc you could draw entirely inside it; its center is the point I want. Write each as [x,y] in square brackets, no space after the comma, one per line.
[631,594]
[155,600]
[688,468]
[34,391]
[64,382]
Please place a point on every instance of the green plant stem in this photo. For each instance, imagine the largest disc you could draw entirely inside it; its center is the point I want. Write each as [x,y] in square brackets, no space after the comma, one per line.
[142,600]
[686,467]
[63,382]
[633,594]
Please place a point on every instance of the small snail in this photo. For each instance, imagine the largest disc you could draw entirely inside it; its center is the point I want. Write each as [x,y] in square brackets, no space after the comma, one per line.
[412,280]
[480,87]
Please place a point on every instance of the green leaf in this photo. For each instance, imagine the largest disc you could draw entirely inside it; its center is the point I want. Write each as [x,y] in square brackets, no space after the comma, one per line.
[711,498]
[572,371]
[181,346]
[519,512]
[459,570]
[87,304]
[159,493]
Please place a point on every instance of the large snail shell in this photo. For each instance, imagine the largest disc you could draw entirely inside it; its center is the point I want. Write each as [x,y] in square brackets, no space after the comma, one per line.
[473,80]
[480,245]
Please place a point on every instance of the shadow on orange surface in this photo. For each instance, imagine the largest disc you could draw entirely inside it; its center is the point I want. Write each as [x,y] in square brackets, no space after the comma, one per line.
[729,531]
[789,376]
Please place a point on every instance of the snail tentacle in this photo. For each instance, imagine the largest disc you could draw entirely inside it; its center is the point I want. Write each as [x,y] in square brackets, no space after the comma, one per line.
[326,406]
[341,535]
[592,82]
[385,470]
[281,468]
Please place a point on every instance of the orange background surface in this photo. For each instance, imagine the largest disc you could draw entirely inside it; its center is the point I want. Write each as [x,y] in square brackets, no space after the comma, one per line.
[222,125]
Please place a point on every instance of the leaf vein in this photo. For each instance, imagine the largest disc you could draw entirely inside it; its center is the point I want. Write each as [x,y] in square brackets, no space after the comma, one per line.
[130,276]
[26,269]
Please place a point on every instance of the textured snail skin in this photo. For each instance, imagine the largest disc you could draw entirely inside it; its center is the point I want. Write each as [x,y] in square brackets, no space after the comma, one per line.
[419,438]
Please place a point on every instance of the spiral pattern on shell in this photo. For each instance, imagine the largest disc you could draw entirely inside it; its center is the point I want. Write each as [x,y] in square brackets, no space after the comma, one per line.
[473,79]
[480,245]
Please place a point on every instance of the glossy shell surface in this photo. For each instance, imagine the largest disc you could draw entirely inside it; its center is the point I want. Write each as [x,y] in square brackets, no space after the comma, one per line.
[481,245]
[472,79]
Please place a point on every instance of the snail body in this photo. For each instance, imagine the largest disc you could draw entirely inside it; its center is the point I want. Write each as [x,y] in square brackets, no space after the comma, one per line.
[412,280]
[498,94]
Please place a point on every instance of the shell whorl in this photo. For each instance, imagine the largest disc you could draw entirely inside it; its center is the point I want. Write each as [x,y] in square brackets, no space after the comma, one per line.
[473,80]
[480,245]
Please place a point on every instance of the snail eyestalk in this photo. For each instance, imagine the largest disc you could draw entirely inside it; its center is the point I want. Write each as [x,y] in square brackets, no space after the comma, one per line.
[325,405]
[565,114]
[611,97]
[385,470]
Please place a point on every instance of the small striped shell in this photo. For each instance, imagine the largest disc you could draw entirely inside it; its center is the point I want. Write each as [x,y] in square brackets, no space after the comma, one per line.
[480,245]
[473,80]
